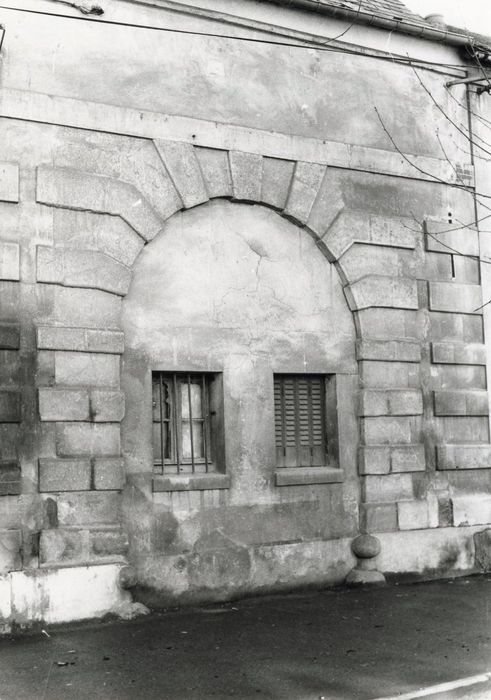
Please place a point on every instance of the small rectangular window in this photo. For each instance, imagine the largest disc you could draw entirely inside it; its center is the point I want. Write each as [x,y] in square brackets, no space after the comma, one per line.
[304,435]
[181,422]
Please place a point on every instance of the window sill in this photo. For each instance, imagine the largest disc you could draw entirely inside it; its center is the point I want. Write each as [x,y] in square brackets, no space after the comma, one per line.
[298,476]
[191,482]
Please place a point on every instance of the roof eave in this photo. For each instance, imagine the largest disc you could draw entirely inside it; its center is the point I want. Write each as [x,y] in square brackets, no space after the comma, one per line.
[450,35]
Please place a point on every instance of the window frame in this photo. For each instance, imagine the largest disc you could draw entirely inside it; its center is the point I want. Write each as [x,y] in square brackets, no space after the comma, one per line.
[329,418]
[176,382]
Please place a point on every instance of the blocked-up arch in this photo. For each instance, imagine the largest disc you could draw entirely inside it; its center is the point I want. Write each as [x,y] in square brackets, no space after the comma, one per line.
[301,192]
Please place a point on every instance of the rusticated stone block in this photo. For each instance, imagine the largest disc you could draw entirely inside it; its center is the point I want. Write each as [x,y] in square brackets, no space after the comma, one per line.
[307,179]
[388,489]
[408,458]
[86,308]
[63,404]
[386,459]
[456,328]
[391,402]
[378,290]
[80,340]
[10,551]
[482,545]
[440,238]
[10,410]
[216,172]
[473,456]
[378,375]
[461,403]
[75,189]
[378,517]
[64,475]
[356,227]
[387,430]
[389,351]
[74,369]
[105,543]
[458,353]
[109,474]
[413,515]
[183,167]
[247,172]
[277,176]
[62,546]
[100,439]
[82,268]
[10,479]
[9,182]
[106,406]
[456,298]
[9,261]
[9,336]
[471,510]
[89,508]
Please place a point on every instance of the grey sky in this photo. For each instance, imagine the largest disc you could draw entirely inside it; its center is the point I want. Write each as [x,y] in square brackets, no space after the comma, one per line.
[471,14]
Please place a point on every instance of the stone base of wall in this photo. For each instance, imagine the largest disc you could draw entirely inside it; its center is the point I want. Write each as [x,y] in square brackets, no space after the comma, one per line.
[427,554]
[59,595]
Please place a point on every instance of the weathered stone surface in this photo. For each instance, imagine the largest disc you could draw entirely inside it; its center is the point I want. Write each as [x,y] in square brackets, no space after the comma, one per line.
[413,515]
[364,577]
[382,430]
[183,167]
[89,508]
[64,475]
[10,551]
[306,475]
[9,336]
[9,182]
[457,298]
[9,261]
[61,546]
[389,351]
[247,172]
[63,404]
[458,328]
[440,238]
[106,406]
[378,290]
[85,230]
[215,170]
[277,176]
[96,369]
[80,340]
[394,402]
[10,479]
[109,474]
[356,227]
[482,546]
[82,268]
[458,353]
[378,517]
[10,407]
[388,489]
[365,547]
[461,403]
[471,456]
[79,190]
[88,308]
[307,179]
[73,439]
[379,323]
[390,374]
[384,459]
[471,509]
[105,543]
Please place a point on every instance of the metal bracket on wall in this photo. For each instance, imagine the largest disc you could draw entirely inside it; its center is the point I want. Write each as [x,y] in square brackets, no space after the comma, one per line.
[476,80]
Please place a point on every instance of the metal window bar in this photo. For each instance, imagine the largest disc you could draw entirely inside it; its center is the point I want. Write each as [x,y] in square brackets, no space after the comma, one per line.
[204,413]
[297,420]
[191,423]
[177,441]
[283,416]
[161,397]
[311,419]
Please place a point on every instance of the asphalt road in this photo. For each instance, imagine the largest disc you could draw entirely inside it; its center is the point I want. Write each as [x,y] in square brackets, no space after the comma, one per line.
[337,645]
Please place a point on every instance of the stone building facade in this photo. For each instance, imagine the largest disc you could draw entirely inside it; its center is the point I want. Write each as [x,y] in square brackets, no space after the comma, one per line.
[242,301]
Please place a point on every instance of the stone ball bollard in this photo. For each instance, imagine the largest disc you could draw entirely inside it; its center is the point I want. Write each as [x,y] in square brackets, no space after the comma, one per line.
[127,577]
[365,548]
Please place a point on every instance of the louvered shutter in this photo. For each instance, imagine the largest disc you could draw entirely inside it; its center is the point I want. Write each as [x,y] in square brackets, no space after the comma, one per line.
[300,425]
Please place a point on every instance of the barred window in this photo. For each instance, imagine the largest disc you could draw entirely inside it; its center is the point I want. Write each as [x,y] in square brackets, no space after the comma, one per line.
[181,422]
[303,420]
